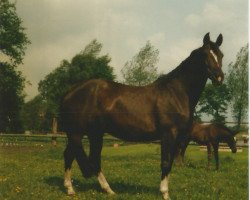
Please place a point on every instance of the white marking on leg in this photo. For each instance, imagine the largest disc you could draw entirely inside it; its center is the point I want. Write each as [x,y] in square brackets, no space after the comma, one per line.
[164,188]
[68,182]
[104,184]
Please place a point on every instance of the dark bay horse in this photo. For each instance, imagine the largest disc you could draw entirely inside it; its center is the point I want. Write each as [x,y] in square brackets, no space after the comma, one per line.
[161,110]
[210,135]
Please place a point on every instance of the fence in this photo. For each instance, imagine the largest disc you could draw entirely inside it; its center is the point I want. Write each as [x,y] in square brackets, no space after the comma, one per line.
[55,135]
[18,139]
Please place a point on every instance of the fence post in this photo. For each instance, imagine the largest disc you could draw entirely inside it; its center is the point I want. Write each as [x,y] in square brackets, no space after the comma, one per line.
[54,131]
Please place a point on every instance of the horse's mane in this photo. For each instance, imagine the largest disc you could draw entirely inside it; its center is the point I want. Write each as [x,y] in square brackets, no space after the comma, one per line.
[189,61]
[222,126]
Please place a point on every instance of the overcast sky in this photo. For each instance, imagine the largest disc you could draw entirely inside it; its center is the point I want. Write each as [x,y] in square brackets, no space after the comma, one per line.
[59,29]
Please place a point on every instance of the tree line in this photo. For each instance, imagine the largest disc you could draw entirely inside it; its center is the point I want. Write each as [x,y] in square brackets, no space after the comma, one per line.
[16,115]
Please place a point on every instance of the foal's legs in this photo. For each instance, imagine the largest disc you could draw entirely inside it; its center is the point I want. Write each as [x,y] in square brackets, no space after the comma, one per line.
[96,142]
[209,155]
[168,150]
[183,150]
[216,155]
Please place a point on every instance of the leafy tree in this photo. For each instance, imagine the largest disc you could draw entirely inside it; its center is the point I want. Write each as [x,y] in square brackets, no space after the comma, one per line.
[237,82]
[13,40]
[88,64]
[214,102]
[141,70]
[11,98]
[35,115]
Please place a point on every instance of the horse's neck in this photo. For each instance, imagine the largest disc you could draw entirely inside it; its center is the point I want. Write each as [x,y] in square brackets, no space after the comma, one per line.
[193,84]
[193,77]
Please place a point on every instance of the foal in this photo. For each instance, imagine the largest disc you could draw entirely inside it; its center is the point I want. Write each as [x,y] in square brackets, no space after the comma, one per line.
[210,135]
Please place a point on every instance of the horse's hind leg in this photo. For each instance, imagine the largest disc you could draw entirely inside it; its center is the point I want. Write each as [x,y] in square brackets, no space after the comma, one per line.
[81,157]
[209,155]
[216,154]
[69,156]
[74,150]
[96,142]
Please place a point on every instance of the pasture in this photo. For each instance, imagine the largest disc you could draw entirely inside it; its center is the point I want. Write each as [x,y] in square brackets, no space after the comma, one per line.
[34,170]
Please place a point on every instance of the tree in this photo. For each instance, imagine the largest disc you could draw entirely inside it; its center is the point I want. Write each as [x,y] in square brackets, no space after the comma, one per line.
[35,116]
[13,42]
[141,70]
[214,102]
[11,98]
[88,64]
[237,81]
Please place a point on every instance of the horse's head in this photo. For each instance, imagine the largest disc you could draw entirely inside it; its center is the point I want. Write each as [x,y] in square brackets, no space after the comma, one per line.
[232,144]
[213,58]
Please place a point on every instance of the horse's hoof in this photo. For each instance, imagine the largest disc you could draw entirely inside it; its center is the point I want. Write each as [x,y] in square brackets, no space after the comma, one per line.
[71,192]
[110,191]
[166,196]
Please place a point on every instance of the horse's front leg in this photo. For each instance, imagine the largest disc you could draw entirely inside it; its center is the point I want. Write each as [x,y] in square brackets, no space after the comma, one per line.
[168,151]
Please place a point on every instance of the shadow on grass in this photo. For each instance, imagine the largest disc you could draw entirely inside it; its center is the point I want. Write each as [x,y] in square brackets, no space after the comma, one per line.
[133,188]
[56,181]
[86,185]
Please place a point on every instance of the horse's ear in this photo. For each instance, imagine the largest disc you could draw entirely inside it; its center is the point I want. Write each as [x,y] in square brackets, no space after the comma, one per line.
[206,39]
[219,40]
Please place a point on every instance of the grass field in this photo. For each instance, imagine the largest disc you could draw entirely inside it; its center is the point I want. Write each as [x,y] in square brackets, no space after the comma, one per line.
[34,170]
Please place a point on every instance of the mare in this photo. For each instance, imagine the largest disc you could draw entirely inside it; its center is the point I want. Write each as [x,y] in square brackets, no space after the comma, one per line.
[162,110]
[210,135]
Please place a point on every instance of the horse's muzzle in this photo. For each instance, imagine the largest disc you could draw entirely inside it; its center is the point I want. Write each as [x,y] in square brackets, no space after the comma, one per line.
[234,150]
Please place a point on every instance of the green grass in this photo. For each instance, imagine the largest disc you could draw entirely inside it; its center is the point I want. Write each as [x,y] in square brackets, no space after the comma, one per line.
[31,171]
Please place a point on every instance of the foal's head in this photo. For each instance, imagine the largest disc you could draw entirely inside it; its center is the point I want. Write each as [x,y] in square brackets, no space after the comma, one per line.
[232,144]
[228,136]
[213,58]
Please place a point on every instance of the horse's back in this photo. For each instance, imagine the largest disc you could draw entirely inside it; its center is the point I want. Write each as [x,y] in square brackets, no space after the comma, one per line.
[220,131]
[80,104]
[128,112]
[99,100]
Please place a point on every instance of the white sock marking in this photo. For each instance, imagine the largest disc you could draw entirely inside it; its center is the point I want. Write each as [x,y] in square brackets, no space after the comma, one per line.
[68,183]
[104,184]
[164,188]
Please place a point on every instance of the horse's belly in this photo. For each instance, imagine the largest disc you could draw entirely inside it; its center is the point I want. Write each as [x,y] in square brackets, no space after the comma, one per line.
[133,129]
[132,136]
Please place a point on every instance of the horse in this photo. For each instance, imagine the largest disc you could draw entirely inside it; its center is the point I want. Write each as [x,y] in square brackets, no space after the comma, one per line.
[162,110]
[209,135]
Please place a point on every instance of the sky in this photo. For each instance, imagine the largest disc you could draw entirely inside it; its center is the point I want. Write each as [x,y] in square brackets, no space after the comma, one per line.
[59,29]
